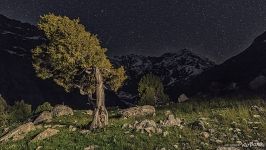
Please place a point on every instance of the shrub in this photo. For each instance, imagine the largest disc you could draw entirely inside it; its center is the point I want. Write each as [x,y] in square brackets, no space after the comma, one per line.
[147,97]
[3,105]
[20,111]
[151,90]
[46,106]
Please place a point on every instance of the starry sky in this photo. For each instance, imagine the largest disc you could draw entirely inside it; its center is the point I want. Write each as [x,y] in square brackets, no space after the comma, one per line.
[217,29]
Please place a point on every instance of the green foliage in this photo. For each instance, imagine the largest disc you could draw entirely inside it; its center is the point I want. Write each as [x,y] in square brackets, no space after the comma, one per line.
[46,106]
[20,111]
[151,90]
[70,56]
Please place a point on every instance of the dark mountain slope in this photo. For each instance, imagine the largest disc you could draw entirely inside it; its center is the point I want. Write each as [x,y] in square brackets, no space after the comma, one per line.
[238,72]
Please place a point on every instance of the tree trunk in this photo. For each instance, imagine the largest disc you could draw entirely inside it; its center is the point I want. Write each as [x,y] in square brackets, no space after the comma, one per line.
[100,119]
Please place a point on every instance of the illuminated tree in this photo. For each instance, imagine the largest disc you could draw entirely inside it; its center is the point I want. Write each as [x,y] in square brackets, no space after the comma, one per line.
[74,58]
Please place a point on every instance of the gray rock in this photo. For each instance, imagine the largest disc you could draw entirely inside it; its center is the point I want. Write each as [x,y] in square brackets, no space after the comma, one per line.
[219,141]
[45,134]
[85,131]
[62,110]
[205,135]
[171,121]
[138,111]
[72,128]
[198,125]
[167,113]
[18,133]
[45,117]
[165,133]
[91,147]
[182,98]
[227,148]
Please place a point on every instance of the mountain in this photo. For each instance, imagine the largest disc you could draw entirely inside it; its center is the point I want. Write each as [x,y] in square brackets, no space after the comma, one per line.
[18,80]
[245,71]
[172,68]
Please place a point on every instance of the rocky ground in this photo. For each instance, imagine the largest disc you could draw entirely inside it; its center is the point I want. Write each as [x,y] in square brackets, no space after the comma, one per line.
[221,125]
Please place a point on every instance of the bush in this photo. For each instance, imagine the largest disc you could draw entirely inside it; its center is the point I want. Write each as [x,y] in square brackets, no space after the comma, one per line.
[46,106]
[147,97]
[151,91]
[20,111]
[3,105]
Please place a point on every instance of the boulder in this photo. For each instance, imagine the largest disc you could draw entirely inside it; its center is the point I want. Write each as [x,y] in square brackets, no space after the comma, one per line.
[182,98]
[85,131]
[45,134]
[45,117]
[171,121]
[72,128]
[18,133]
[62,110]
[91,147]
[228,148]
[138,111]
[148,126]
[198,125]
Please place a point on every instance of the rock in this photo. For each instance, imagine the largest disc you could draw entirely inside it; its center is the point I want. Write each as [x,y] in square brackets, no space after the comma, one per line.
[239,142]
[203,119]
[132,136]
[138,111]
[39,148]
[205,135]
[62,110]
[145,124]
[219,141]
[85,131]
[159,131]
[165,133]
[167,113]
[171,121]
[124,125]
[5,130]
[45,117]
[45,134]
[237,130]
[91,147]
[18,133]
[39,126]
[198,125]
[182,98]
[72,128]
[257,108]
[57,126]
[256,116]
[148,126]
[227,148]
[211,131]
[176,146]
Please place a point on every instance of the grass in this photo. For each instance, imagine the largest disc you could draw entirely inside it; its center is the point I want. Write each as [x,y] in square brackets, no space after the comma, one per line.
[224,116]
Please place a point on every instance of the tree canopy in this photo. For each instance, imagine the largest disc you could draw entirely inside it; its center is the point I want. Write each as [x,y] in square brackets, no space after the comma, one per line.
[70,55]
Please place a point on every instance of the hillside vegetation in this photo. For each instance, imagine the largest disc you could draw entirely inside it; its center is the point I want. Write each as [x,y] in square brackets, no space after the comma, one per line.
[204,125]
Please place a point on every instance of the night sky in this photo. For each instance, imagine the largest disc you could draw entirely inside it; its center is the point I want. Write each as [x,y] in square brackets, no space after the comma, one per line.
[216,29]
